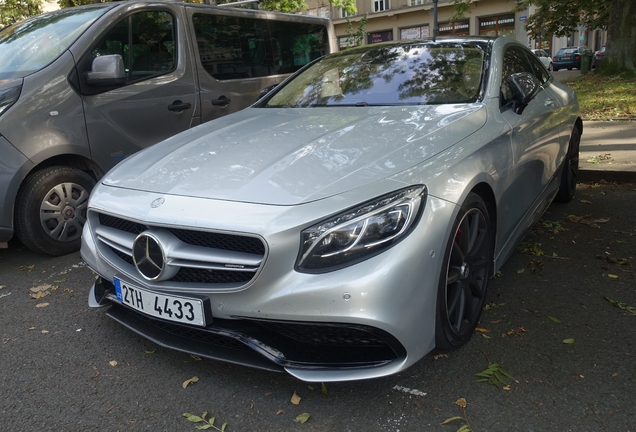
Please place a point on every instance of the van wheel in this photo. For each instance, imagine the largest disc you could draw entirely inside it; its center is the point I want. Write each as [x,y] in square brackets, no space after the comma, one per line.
[464,276]
[570,171]
[51,209]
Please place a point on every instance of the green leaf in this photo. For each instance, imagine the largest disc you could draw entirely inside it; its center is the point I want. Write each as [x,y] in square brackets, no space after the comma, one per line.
[203,427]
[484,374]
[448,420]
[196,357]
[204,415]
[520,271]
[324,390]
[464,428]
[506,373]
[211,421]
[223,426]
[500,378]
[302,418]
[310,388]
[568,341]
[556,320]
[193,418]
[483,380]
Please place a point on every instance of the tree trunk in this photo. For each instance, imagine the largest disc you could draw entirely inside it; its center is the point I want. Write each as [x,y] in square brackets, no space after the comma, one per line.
[620,53]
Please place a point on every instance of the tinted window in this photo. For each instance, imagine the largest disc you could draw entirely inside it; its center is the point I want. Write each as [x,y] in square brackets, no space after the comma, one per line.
[235,48]
[539,71]
[146,42]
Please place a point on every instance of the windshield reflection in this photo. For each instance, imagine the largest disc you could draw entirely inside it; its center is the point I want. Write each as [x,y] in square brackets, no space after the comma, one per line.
[30,45]
[417,74]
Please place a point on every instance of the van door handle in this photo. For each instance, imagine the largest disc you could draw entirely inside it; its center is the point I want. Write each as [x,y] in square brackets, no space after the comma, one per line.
[179,106]
[222,101]
[549,102]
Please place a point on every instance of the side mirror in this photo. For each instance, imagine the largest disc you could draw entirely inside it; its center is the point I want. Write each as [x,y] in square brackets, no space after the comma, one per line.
[524,87]
[266,90]
[107,70]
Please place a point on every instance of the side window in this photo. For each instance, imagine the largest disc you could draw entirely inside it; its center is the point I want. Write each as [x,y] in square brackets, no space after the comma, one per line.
[539,71]
[233,47]
[296,44]
[514,61]
[146,42]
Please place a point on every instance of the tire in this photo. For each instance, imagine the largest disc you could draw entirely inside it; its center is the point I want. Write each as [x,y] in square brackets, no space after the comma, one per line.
[466,269]
[570,170]
[51,209]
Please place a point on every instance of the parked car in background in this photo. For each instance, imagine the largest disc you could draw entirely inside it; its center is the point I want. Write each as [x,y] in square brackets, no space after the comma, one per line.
[83,88]
[348,222]
[544,57]
[570,58]
[598,57]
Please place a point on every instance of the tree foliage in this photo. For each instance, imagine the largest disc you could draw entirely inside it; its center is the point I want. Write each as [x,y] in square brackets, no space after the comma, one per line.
[12,11]
[562,18]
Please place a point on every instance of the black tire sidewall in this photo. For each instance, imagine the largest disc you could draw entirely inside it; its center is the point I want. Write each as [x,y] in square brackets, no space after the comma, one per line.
[27,211]
[445,337]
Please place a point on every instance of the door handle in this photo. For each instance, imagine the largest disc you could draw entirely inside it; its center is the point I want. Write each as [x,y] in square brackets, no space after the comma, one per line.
[549,102]
[222,101]
[179,106]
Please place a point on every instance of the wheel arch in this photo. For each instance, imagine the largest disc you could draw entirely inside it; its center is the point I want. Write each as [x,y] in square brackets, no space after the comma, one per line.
[486,193]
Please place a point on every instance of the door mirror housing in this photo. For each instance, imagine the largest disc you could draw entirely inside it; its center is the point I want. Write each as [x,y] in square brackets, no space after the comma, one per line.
[107,70]
[524,87]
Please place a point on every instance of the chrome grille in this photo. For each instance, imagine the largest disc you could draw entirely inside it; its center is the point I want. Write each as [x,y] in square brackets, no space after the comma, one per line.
[203,258]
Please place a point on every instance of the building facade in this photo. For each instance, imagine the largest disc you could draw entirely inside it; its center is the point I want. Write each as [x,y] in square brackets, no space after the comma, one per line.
[413,19]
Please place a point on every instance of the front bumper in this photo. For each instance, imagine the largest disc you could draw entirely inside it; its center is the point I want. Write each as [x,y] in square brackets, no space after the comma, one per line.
[367,320]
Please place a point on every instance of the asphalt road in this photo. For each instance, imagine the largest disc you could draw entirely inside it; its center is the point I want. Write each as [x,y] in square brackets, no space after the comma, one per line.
[58,372]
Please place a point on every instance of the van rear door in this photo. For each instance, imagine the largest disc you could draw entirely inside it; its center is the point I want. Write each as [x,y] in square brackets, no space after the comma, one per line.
[159,98]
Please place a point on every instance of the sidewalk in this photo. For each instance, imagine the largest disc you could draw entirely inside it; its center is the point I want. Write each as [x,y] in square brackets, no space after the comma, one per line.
[608,151]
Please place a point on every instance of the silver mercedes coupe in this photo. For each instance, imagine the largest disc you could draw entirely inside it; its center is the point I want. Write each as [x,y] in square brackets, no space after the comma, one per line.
[349,221]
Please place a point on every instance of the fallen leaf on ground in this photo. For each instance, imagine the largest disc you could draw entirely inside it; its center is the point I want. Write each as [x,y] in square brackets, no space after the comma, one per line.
[568,341]
[192,380]
[302,418]
[461,402]
[556,320]
[586,202]
[279,412]
[113,363]
[324,390]
[612,276]
[2,286]
[26,268]
[481,330]
[41,305]
[45,331]
[295,399]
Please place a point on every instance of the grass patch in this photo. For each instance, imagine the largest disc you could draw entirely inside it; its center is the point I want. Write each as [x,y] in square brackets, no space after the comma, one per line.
[605,97]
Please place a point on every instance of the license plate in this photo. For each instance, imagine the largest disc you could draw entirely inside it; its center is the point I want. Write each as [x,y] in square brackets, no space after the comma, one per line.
[168,307]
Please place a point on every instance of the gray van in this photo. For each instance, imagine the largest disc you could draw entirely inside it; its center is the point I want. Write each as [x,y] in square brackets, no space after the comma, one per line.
[83,88]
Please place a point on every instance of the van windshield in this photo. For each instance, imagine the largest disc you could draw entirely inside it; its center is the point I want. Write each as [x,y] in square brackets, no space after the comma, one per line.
[30,45]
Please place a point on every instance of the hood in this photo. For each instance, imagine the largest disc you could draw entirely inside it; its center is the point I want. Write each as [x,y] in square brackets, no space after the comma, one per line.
[288,156]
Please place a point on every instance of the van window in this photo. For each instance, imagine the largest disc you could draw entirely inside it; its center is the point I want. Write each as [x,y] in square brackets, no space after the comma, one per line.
[297,44]
[146,42]
[235,48]
[30,45]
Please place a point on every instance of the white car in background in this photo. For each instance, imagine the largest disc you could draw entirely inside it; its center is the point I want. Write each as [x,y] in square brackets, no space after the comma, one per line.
[544,57]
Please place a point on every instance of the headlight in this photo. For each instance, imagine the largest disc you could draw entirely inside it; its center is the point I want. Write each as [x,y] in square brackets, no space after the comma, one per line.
[8,97]
[360,232]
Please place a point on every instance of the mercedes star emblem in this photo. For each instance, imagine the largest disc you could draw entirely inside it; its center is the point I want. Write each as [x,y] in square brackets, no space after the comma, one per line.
[148,256]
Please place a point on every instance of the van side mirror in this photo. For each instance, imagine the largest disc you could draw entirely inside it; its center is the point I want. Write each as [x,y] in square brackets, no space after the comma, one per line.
[106,70]
[524,87]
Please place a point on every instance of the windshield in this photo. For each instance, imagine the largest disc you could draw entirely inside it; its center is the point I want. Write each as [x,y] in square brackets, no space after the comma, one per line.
[415,74]
[28,46]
